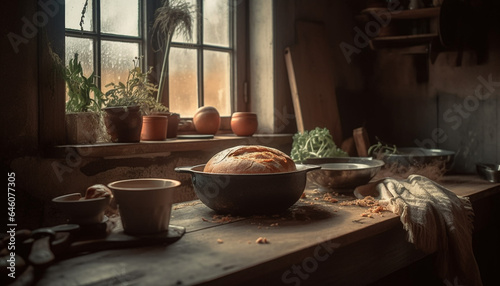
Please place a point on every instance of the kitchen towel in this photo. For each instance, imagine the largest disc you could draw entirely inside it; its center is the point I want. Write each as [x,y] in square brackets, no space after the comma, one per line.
[436,220]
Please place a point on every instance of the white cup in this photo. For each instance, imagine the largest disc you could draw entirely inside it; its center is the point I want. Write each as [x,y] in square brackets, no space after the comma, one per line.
[144,204]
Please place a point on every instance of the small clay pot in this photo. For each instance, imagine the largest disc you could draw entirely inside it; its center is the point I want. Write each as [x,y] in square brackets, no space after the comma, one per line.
[123,123]
[154,128]
[244,123]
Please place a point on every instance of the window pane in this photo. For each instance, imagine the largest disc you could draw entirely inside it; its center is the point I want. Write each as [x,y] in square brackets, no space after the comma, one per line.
[183,87]
[179,37]
[217,81]
[85,50]
[73,15]
[120,17]
[216,22]
[117,60]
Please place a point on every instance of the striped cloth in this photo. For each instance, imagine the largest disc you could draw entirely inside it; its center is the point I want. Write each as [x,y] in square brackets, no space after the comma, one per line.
[436,220]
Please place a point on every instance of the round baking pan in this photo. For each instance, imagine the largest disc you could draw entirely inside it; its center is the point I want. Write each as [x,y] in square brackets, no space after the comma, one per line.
[248,194]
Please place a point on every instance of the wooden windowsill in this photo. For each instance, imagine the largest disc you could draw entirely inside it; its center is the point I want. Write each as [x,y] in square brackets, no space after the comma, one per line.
[170,145]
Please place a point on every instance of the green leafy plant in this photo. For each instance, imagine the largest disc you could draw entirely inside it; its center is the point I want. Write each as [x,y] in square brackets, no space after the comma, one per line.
[173,16]
[381,148]
[317,143]
[136,91]
[79,88]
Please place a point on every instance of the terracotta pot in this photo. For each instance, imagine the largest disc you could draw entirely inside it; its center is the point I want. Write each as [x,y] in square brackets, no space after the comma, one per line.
[173,123]
[244,123]
[206,120]
[82,127]
[123,124]
[154,128]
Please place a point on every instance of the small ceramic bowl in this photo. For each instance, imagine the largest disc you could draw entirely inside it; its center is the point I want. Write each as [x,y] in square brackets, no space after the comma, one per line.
[81,212]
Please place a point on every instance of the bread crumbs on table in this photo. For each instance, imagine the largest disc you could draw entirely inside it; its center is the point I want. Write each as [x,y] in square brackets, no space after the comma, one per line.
[261,240]
[329,198]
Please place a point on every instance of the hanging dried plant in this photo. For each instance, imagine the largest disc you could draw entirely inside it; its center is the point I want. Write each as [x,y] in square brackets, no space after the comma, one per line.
[82,18]
[174,16]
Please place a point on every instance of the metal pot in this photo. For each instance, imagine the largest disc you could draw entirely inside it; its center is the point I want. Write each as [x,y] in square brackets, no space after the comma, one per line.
[248,194]
[342,174]
[420,158]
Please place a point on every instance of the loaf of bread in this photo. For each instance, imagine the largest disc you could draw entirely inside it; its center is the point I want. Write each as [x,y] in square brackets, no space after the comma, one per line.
[250,159]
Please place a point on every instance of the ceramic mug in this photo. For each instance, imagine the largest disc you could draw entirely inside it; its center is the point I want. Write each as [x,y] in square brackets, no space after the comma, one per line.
[144,204]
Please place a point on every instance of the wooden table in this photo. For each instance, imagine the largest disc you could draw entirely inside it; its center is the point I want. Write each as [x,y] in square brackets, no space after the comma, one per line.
[316,242]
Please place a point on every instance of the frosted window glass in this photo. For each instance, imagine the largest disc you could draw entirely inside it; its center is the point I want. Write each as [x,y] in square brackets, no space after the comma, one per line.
[85,50]
[216,22]
[117,60]
[179,37]
[217,81]
[73,14]
[183,87]
[120,17]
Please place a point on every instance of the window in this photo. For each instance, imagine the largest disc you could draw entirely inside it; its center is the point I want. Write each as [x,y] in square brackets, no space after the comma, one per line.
[112,37]
[200,71]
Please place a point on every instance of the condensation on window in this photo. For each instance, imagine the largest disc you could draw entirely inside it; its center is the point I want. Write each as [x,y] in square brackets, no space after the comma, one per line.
[216,22]
[183,86]
[120,17]
[85,50]
[216,73]
[73,14]
[117,59]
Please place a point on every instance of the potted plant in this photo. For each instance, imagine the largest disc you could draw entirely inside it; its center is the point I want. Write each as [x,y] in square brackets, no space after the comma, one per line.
[126,103]
[173,16]
[83,105]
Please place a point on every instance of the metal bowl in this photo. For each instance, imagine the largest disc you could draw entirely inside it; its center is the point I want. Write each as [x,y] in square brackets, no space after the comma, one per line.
[344,173]
[248,194]
[420,157]
[489,172]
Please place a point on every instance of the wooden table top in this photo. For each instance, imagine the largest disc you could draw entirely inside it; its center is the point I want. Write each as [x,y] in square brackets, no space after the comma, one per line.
[315,242]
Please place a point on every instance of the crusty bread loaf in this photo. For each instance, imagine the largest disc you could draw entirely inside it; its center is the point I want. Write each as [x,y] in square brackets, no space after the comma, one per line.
[250,159]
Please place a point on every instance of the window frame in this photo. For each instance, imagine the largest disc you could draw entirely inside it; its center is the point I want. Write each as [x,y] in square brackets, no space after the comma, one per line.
[239,100]
[98,36]
[200,47]
[52,89]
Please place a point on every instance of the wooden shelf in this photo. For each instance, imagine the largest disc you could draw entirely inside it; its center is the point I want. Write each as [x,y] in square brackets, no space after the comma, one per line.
[405,14]
[401,41]
[408,44]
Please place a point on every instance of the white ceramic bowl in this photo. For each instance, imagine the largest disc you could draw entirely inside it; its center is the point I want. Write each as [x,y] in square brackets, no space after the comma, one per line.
[144,204]
[88,211]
